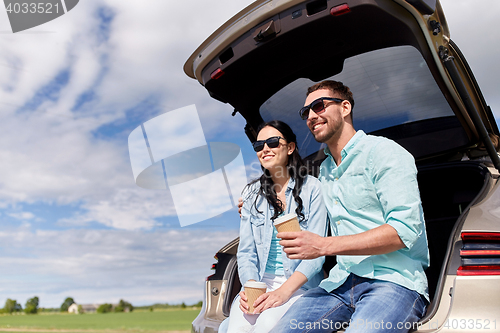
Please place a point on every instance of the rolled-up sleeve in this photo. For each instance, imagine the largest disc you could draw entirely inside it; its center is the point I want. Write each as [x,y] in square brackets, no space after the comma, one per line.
[247,251]
[395,179]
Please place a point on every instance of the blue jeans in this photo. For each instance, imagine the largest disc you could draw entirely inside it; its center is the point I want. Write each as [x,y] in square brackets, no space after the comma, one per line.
[359,305]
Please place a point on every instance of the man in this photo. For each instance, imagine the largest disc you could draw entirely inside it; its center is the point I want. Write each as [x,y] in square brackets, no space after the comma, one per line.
[371,193]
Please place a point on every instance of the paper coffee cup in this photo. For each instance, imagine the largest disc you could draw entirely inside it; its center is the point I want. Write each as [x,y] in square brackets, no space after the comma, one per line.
[288,222]
[253,290]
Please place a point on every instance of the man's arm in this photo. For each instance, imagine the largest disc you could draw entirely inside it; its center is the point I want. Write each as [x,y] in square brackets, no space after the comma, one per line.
[393,174]
[307,245]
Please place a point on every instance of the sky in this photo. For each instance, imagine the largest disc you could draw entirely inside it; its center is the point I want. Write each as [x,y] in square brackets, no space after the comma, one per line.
[73,223]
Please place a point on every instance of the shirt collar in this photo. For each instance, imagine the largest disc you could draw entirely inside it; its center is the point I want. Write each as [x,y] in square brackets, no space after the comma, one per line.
[349,146]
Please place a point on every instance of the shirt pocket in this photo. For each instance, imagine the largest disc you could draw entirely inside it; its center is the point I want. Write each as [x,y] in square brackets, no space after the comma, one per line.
[257,223]
[358,192]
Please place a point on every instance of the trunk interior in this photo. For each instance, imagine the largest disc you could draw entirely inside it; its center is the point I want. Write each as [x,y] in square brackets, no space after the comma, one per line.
[447,190]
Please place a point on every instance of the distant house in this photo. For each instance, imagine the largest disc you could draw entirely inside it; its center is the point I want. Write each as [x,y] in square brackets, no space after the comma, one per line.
[73,308]
[87,308]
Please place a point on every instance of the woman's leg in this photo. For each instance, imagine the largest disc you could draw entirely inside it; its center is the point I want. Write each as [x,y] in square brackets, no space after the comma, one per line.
[239,322]
[268,319]
[264,322]
[223,326]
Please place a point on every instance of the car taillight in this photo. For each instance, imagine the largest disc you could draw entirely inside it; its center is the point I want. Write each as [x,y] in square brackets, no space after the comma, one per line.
[478,270]
[340,10]
[217,74]
[480,254]
[214,267]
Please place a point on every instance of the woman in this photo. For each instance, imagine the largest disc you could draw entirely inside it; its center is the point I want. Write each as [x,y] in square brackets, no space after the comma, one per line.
[283,188]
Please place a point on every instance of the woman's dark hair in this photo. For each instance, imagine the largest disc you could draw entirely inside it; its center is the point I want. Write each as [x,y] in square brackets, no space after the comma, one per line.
[295,167]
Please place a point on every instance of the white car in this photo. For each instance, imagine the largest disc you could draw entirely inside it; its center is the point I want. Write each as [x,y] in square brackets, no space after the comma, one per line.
[411,84]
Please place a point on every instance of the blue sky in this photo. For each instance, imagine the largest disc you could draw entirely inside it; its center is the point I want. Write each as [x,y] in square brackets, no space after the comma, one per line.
[72,221]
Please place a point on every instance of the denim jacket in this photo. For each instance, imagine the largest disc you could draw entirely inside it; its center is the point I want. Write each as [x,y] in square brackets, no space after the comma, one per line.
[256,231]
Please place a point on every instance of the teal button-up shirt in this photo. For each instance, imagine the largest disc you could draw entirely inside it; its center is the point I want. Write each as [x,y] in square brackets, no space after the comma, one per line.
[376,184]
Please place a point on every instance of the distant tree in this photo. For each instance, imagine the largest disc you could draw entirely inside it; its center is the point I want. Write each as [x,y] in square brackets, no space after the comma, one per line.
[11,305]
[67,302]
[104,308]
[124,306]
[183,305]
[31,306]
[80,309]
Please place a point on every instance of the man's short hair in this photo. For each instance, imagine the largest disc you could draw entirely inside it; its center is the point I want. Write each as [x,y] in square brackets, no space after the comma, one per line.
[337,88]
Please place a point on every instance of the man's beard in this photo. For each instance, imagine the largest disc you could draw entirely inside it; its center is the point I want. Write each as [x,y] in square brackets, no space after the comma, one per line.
[322,138]
[325,136]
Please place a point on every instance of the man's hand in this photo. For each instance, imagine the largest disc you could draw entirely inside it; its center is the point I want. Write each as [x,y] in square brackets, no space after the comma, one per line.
[240,204]
[301,244]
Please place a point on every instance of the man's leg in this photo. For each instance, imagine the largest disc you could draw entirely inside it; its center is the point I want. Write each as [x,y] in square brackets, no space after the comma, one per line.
[316,311]
[382,306]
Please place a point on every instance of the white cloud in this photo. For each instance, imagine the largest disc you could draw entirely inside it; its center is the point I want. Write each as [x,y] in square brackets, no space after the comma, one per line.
[106,265]
[127,209]
[49,152]
[22,215]
[52,158]
[477,37]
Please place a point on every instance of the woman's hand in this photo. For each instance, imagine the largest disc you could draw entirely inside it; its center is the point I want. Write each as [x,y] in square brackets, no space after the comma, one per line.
[243,302]
[271,299]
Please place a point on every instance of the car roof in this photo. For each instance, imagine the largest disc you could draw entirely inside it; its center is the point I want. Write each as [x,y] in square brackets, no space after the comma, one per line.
[305,39]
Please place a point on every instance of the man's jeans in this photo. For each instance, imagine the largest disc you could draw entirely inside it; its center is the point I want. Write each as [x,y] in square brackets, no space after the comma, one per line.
[359,305]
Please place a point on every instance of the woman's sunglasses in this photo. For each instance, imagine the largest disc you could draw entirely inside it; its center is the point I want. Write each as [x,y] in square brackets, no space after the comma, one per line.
[272,142]
[318,106]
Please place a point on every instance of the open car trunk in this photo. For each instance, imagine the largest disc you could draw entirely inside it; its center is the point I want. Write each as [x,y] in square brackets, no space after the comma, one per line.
[447,191]
[411,84]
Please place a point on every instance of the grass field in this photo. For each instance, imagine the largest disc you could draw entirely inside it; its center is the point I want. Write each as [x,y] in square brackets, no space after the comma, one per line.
[170,320]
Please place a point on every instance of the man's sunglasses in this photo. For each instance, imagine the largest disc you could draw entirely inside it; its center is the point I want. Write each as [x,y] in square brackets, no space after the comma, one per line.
[318,106]
[272,142]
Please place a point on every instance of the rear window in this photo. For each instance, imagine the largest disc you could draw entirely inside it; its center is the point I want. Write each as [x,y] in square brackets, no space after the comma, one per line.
[391,87]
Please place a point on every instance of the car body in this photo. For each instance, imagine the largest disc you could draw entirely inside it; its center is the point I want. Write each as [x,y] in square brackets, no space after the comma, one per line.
[411,84]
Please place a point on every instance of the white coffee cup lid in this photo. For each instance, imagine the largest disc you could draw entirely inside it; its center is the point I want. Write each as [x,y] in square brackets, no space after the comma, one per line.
[255,284]
[284,218]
